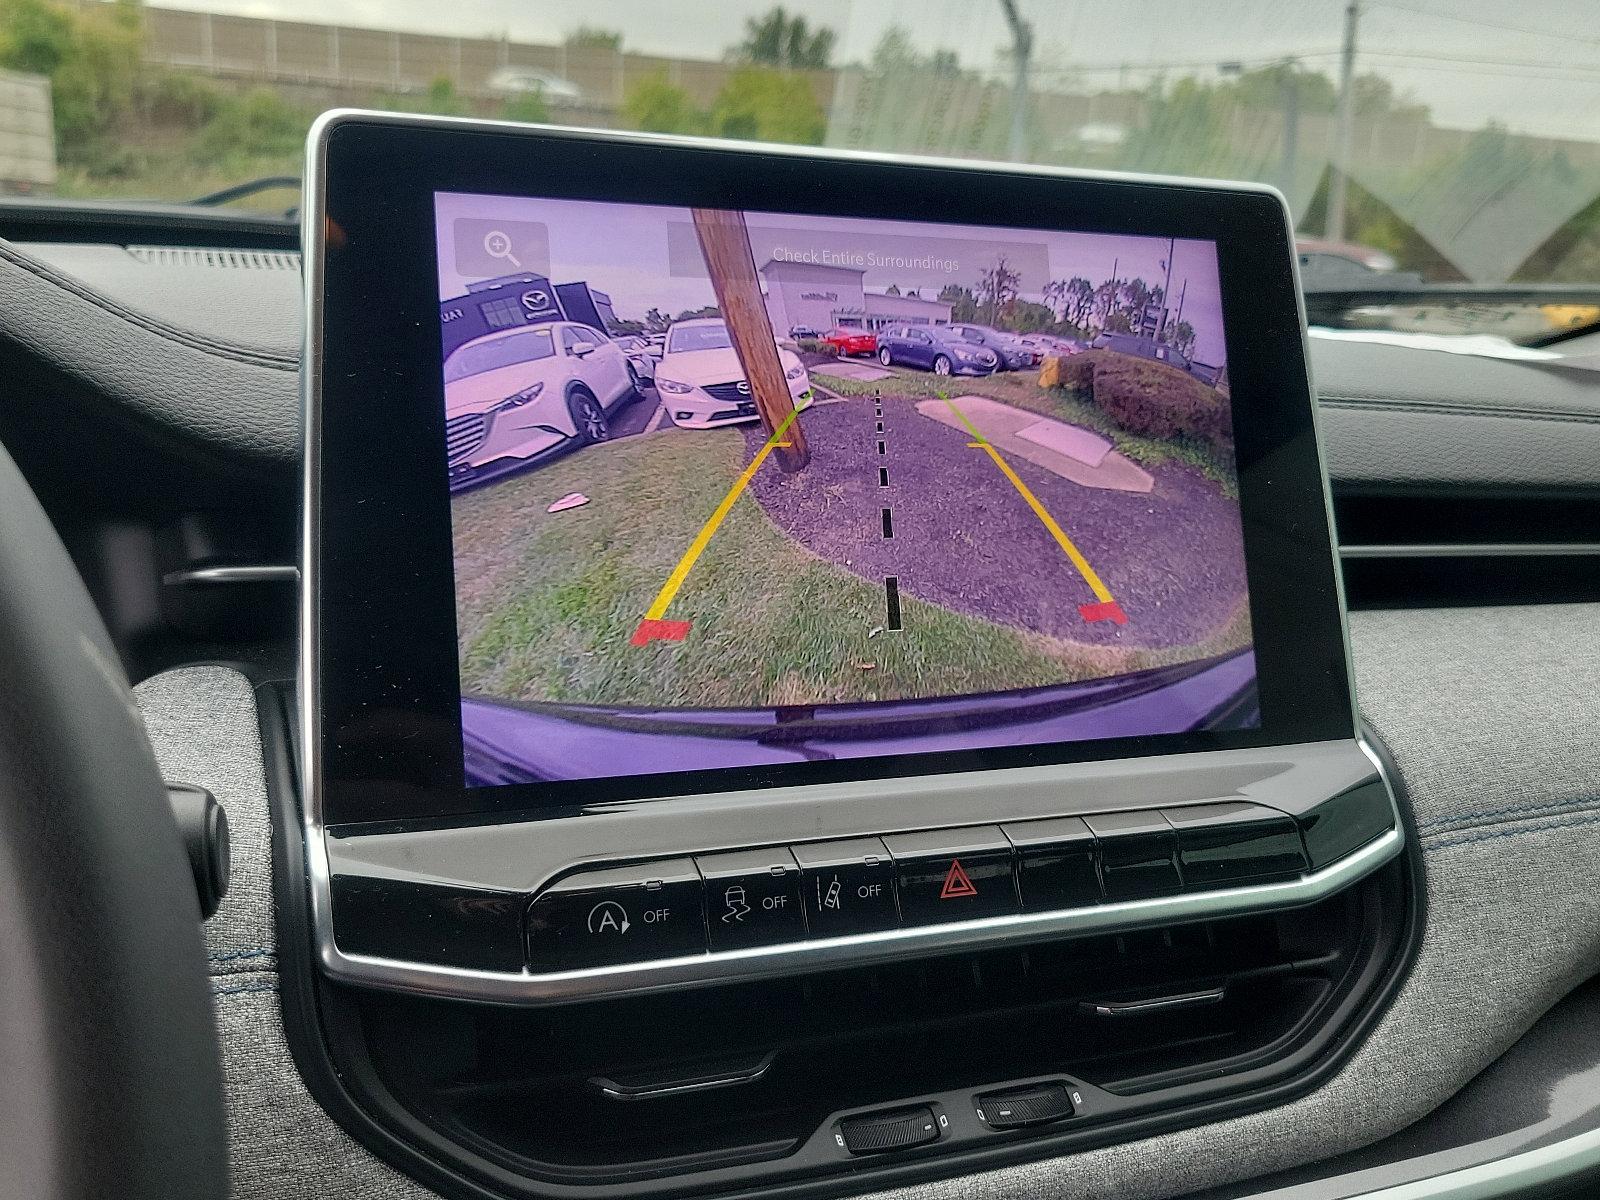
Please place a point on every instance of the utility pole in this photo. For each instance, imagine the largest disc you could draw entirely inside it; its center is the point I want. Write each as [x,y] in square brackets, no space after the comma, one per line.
[1339,181]
[1166,291]
[1291,123]
[1021,52]
[725,242]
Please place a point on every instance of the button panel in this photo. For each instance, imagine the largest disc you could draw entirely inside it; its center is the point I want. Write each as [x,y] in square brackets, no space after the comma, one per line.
[1223,844]
[847,886]
[744,899]
[953,874]
[752,898]
[621,915]
[1138,855]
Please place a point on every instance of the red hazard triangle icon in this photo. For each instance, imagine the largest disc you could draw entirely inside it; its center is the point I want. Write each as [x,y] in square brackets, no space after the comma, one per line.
[957,883]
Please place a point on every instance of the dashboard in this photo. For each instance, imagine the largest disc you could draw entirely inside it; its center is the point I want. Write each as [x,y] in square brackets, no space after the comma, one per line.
[1251,944]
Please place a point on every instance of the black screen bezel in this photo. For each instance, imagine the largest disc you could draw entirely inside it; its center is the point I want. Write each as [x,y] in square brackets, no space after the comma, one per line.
[381,609]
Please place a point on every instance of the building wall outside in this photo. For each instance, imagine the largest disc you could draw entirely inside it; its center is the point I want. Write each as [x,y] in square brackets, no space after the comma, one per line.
[27,133]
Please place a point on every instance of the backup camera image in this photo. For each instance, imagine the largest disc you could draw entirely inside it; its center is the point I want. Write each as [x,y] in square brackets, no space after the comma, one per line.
[739,489]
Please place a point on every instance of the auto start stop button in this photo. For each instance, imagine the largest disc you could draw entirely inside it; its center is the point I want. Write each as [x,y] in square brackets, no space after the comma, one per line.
[620,915]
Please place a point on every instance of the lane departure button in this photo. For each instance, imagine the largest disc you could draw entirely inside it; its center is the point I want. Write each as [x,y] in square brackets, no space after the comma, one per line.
[847,886]
[953,874]
[621,915]
[752,898]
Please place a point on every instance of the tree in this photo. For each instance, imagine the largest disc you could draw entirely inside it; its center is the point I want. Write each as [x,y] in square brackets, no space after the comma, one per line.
[997,288]
[620,327]
[962,305]
[656,321]
[656,106]
[1181,336]
[779,40]
[894,53]
[760,104]
[1072,299]
[694,314]
[892,290]
[587,37]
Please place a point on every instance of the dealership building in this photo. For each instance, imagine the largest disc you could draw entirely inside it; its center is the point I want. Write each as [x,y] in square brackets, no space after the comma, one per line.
[820,297]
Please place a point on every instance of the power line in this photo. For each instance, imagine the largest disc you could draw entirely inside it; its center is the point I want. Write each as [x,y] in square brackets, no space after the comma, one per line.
[1480,22]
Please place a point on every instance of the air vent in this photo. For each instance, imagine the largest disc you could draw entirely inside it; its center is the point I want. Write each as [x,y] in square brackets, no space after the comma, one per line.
[217,260]
[1401,549]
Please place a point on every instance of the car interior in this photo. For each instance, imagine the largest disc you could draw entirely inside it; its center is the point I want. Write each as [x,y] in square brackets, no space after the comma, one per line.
[551,650]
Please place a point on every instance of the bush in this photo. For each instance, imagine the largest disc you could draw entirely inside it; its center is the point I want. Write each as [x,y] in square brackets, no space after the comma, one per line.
[1155,400]
[814,346]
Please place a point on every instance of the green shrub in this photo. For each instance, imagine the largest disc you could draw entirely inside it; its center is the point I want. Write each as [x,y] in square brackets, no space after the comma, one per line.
[814,346]
[1155,400]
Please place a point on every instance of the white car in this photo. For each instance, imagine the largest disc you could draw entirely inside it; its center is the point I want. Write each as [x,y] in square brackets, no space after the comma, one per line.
[701,380]
[515,81]
[523,393]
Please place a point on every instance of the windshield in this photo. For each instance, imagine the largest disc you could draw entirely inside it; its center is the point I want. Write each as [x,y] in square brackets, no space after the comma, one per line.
[490,355]
[1439,144]
[681,339]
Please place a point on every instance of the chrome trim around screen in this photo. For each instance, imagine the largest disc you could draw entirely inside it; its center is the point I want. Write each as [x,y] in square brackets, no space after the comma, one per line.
[527,988]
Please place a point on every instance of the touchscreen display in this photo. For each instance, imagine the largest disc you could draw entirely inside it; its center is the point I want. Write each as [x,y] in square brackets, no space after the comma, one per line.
[738,489]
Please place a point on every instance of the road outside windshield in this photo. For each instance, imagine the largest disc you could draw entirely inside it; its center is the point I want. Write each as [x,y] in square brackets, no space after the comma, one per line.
[795,487]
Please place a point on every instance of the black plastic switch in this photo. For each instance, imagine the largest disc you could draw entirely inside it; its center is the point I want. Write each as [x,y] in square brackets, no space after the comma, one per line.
[1221,844]
[874,1133]
[622,915]
[1138,854]
[1015,1108]
[953,874]
[1346,822]
[847,886]
[752,898]
[1055,864]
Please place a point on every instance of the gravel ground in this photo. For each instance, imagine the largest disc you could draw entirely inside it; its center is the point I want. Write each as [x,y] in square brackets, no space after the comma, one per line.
[965,539]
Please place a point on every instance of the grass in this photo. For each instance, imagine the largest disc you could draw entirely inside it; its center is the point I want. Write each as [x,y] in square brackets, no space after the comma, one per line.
[1017,388]
[547,602]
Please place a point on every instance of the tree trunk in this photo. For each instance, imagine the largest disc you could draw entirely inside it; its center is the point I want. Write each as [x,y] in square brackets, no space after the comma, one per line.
[725,242]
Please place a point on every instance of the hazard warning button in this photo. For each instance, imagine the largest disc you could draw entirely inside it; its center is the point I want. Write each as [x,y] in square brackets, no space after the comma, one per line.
[953,875]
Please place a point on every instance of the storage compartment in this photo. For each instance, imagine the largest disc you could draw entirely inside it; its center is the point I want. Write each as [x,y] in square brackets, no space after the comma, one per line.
[671,1086]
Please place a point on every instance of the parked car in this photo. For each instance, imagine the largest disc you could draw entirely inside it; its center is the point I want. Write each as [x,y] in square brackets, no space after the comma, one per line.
[935,348]
[803,331]
[847,341]
[1052,346]
[529,392]
[1008,347]
[553,89]
[642,354]
[1142,347]
[702,382]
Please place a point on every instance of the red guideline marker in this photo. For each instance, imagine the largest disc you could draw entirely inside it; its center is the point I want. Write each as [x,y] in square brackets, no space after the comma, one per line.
[659,631]
[1108,610]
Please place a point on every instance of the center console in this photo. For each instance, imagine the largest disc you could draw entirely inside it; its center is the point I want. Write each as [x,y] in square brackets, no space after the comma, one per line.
[818,672]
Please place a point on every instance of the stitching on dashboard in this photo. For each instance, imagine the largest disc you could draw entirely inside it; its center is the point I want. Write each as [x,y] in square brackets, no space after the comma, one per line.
[1495,833]
[1443,824]
[245,989]
[1445,407]
[171,333]
[252,952]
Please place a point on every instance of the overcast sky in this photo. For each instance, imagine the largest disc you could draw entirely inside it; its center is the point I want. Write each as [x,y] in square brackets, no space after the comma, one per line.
[1544,77]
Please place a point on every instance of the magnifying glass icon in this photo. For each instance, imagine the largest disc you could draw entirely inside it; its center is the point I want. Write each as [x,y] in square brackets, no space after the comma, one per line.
[497,244]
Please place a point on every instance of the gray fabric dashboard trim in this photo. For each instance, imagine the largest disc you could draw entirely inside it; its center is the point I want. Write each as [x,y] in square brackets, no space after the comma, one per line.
[1491,715]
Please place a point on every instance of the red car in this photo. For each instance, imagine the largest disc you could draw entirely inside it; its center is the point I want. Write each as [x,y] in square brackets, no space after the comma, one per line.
[851,341]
